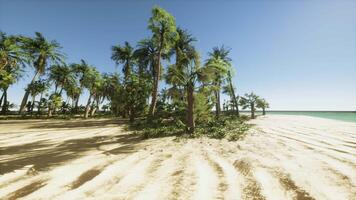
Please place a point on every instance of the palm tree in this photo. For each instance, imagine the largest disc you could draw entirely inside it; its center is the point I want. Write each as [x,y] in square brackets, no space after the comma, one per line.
[12,62]
[92,81]
[263,104]
[124,55]
[54,102]
[249,101]
[61,76]
[36,88]
[222,63]
[146,54]
[185,73]
[231,92]
[11,51]
[163,26]
[42,52]
[80,72]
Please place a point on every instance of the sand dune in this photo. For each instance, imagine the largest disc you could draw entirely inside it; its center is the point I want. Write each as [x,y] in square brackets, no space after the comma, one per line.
[283,157]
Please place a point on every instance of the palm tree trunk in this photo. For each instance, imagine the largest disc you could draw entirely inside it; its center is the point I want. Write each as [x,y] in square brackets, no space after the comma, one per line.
[190,110]
[217,104]
[4,106]
[39,109]
[27,93]
[2,97]
[156,79]
[252,111]
[76,105]
[94,107]
[33,104]
[87,107]
[234,99]
[264,111]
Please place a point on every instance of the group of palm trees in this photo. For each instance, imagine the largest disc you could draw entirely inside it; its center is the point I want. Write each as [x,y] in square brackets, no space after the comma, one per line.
[193,91]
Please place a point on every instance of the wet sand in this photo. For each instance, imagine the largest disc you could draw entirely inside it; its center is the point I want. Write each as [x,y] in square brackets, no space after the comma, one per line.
[282,157]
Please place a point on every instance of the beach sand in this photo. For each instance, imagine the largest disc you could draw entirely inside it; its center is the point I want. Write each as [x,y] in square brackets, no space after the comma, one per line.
[282,157]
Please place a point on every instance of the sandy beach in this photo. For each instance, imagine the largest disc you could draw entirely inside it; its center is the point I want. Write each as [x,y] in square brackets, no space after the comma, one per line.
[282,157]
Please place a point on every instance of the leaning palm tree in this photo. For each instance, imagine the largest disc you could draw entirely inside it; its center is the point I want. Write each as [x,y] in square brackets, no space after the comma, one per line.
[60,75]
[124,55]
[81,71]
[263,104]
[42,53]
[37,88]
[163,26]
[92,82]
[249,101]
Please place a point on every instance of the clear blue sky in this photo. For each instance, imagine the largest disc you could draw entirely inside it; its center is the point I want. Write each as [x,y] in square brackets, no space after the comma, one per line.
[299,55]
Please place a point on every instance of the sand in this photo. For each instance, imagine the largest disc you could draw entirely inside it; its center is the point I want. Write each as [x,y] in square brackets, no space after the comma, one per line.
[282,157]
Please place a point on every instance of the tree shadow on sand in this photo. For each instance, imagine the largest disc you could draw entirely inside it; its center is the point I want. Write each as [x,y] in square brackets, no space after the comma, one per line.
[44,154]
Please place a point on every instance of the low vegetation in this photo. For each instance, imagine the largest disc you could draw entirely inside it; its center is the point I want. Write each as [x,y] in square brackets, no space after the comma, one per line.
[184,107]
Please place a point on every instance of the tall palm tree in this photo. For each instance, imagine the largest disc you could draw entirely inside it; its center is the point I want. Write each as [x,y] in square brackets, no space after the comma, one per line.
[163,26]
[222,63]
[232,94]
[146,54]
[249,101]
[81,71]
[263,104]
[92,81]
[42,53]
[12,62]
[124,55]
[185,73]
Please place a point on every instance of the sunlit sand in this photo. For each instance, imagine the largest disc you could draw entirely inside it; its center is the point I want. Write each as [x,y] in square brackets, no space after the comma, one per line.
[283,157]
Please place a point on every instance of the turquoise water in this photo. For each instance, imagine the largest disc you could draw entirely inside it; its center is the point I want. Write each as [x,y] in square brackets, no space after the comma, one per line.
[338,115]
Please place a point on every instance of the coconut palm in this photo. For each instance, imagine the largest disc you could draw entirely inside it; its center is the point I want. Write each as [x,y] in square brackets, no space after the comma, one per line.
[249,101]
[220,61]
[61,75]
[263,104]
[11,51]
[37,88]
[80,73]
[145,54]
[124,55]
[12,62]
[163,26]
[231,91]
[92,82]
[185,74]
[42,53]
[54,102]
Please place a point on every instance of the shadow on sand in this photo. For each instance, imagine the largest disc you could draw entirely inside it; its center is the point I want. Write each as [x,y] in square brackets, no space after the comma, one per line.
[44,154]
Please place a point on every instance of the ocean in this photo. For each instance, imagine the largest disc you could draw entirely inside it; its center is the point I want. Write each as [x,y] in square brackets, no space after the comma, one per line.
[348,116]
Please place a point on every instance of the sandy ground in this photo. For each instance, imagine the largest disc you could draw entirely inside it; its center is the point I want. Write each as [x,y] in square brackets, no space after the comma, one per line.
[283,157]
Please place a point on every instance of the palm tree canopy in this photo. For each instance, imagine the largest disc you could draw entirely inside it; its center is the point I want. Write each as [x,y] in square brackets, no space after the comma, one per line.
[163,26]
[124,55]
[11,51]
[248,99]
[43,52]
[146,54]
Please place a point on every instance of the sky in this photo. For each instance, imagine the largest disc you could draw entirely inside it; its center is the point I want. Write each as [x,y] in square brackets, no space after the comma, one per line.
[297,54]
